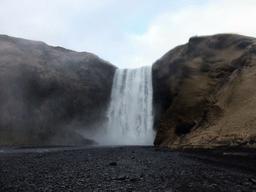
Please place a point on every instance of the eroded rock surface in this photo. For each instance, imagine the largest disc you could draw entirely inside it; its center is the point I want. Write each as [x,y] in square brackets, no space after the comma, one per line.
[48,91]
[205,91]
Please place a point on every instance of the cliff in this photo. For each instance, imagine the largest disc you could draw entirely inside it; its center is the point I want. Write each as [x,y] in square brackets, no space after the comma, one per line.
[205,93]
[43,89]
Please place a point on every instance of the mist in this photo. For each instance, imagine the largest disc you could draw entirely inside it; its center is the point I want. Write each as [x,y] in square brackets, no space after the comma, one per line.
[130,112]
[44,90]
[54,96]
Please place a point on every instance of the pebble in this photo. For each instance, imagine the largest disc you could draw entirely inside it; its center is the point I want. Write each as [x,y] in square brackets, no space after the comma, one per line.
[122,177]
[253,180]
[138,168]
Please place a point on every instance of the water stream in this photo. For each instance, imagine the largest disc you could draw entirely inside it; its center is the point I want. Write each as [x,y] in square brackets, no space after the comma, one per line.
[130,114]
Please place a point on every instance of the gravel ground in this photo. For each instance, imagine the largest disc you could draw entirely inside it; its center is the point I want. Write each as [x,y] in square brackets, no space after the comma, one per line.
[127,168]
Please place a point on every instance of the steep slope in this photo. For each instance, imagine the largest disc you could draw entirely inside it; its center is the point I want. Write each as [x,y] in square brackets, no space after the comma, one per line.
[43,89]
[205,91]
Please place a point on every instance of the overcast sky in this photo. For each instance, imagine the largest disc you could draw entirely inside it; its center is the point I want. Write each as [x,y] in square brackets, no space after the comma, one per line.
[127,33]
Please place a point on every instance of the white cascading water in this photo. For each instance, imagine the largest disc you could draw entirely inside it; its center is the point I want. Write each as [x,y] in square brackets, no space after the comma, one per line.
[130,114]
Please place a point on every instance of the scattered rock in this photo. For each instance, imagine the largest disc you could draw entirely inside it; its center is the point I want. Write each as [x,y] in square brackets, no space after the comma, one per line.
[122,177]
[253,180]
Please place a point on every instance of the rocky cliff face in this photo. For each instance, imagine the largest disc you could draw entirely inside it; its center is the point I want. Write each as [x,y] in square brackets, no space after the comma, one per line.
[43,89]
[205,91]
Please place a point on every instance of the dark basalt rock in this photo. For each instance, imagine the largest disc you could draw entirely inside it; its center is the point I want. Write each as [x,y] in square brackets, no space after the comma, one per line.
[43,89]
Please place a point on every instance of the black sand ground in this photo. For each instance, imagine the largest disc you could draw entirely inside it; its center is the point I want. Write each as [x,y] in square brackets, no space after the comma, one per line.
[128,168]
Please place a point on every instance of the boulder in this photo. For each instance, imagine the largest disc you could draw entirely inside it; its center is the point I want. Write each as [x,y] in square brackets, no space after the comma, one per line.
[44,89]
[205,93]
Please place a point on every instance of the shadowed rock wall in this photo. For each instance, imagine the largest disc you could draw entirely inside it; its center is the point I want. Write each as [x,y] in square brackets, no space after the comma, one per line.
[43,89]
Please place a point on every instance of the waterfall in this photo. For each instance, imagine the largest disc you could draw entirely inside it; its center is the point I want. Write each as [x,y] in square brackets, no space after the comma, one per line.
[130,114]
